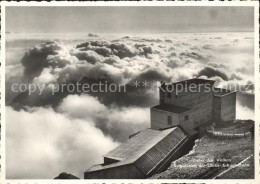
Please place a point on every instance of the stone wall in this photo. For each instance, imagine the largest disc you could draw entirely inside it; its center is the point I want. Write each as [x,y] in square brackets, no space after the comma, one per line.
[200,99]
[228,107]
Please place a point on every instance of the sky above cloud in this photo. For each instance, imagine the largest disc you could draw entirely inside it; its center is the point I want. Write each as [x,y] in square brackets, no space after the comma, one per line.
[129,19]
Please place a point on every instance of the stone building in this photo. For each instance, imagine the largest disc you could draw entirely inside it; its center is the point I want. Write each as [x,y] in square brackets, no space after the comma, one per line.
[192,103]
[184,106]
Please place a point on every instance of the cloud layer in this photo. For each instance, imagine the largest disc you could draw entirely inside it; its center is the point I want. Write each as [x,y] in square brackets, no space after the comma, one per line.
[42,143]
[229,61]
[69,139]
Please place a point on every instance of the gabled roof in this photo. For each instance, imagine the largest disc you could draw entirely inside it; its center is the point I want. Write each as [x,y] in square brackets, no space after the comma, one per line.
[138,144]
[172,108]
[145,150]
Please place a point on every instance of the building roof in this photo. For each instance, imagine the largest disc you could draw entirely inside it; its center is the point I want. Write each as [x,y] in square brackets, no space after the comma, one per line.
[187,83]
[172,108]
[222,91]
[145,150]
[135,147]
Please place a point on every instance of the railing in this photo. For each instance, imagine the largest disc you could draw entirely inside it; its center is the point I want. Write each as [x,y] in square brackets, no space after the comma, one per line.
[225,135]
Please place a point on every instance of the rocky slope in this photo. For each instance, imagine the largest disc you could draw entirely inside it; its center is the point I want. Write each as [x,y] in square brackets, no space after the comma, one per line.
[214,158]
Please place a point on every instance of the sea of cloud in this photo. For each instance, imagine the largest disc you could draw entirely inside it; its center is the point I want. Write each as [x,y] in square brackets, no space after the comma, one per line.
[48,134]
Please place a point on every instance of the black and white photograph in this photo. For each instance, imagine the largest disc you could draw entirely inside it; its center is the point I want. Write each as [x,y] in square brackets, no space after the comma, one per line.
[129,91]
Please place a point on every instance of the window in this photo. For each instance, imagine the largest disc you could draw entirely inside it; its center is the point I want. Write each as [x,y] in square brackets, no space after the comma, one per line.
[186,117]
[169,120]
[169,95]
